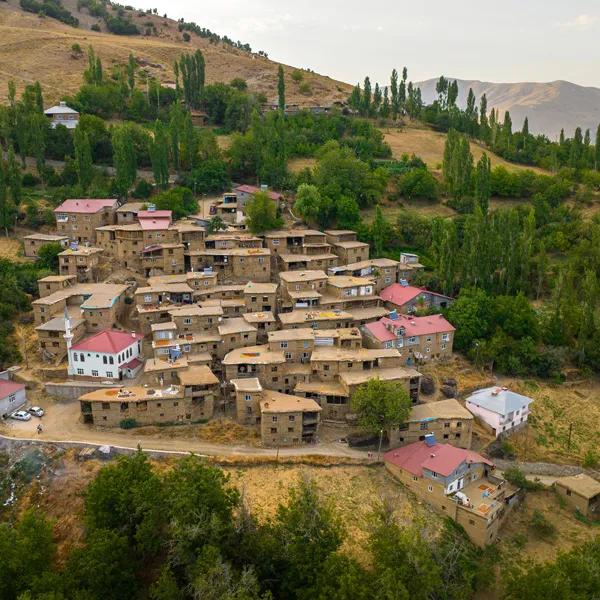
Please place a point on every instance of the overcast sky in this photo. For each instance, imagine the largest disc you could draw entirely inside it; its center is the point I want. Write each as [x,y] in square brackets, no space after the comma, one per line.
[513,40]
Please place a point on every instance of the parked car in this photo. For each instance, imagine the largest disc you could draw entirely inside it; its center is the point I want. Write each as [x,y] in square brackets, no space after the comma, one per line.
[36,411]
[20,415]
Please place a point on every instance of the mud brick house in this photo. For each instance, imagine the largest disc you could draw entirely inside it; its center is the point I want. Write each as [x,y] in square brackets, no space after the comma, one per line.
[459,483]
[55,283]
[245,193]
[51,336]
[145,405]
[108,354]
[260,297]
[448,420]
[409,266]
[408,299]
[264,322]
[80,261]
[287,420]
[234,264]
[301,289]
[78,219]
[381,271]
[33,242]
[582,492]
[315,318]
[419,339]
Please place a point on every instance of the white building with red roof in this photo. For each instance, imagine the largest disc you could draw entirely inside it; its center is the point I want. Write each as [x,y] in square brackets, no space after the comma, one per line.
[458,482]
[12,396]
[418,339]
[108,354]
[407,299]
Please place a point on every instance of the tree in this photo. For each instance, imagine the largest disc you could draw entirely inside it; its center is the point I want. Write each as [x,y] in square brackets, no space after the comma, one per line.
[48,256]
[124,159]
[597,150]
[159,155]
[13,176]
[179,200]
[261,214]
[395,105]
[483,186]
[380,405]
[8,210]
[131,65]
[366,98]
[379,232]
[83,158]
[307,531]
[347,213]
[216,224]
[281,88]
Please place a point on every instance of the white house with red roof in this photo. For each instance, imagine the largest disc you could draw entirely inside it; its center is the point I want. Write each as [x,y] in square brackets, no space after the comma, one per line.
[407,299]
[12,396]
[458,482]
[418,339]
[108,354]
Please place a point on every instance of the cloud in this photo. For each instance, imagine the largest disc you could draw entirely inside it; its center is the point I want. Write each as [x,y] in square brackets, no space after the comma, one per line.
[581,22]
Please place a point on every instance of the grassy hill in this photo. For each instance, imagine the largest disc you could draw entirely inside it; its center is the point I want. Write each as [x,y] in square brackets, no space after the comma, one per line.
[34,48]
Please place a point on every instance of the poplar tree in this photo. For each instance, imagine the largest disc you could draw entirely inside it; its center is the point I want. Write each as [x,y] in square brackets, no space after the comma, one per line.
[83,158]
[377,97]
[379,232]
[281,88]
[13,176]
[355,99]
[131,72]
[597,150]
[395,108]
[483,184]
[175,131]
[159,156]
[8,210]
[385,106]
[483,119]
[576,149]
[124,159]
[366,97]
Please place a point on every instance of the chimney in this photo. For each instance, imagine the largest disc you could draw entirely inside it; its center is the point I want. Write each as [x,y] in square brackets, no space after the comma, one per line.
[430,440]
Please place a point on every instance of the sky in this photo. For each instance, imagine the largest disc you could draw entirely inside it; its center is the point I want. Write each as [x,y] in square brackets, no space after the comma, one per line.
[514,40]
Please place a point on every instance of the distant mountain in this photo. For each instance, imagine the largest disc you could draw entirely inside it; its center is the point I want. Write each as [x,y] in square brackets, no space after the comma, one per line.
[549,106]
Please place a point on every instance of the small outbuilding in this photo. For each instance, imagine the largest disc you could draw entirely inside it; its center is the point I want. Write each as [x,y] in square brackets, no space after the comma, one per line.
[582,492]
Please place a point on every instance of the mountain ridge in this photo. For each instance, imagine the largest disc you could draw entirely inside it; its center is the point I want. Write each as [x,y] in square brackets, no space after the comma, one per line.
[549,106]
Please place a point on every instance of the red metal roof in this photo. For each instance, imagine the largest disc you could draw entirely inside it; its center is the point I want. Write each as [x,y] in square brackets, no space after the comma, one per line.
[252,189]
[151,214]
[155,223]
[134,363]
[86,205]
[9,387]
[401,294]
[413,326]
[108,341]
[439,458]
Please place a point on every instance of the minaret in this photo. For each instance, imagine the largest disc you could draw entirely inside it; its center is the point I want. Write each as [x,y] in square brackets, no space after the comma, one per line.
[69,339]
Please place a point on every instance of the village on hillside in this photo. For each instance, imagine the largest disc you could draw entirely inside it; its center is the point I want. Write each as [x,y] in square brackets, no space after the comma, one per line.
[157,321]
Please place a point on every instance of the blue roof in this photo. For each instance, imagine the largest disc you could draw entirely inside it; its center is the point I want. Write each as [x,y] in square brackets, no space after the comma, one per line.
[499,400]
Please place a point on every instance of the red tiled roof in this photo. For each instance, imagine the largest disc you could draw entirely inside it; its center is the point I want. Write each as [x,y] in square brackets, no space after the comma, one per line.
[440,458]
[252,189]
[401,294]
[413,326]
[108,341]
[134,363]
[9,387]
[85,205]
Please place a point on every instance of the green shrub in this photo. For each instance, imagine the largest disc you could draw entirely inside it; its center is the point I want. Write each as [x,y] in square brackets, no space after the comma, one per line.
[95,27]
[516,477]
[143,190]
[590,459]
[540,526]
[186,36]
[304,88]
[297,76]
[30,180]
[129,423]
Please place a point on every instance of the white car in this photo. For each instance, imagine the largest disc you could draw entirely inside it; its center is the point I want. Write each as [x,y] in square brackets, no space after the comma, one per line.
[21,415]
[36,411]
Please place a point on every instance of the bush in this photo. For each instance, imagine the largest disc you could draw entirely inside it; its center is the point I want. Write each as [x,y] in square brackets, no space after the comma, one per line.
[129,423]
[304,88]
[143,190]
[516,477]
[95,27]
[590,459]
[297,76]
[186,36]
[418,183]
[76,48]
[540,526]
[30,180]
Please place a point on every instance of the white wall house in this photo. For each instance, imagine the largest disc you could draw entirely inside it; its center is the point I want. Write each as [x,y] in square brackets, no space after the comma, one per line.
[61,114]
[499,409]
[12,397]
[108,354]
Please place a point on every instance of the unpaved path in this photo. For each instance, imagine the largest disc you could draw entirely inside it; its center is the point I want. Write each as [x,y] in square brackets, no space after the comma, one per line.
[61,424]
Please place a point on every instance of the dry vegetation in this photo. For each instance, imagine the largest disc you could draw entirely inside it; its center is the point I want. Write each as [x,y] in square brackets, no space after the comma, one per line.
[39,49]
[429,146]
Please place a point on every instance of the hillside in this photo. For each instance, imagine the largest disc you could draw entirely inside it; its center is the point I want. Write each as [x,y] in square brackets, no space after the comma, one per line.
[549,106]
[39,48]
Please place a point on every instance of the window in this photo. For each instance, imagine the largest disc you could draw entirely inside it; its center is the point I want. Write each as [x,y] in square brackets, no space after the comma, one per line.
[445,337]
[457,436]
[283,345]
[288,356]
[273,369]
[275,242]
[147,299]
[106,406]
[75,356]
[187,321]
[415,478]
[94,373]
[290,430]
[248,397]
[109,374]
[446,425]
[273,429]
[12,398]
[430,488]
[424,426]
[388,280]
[428,339]
[111,360]
[568,492]
[79,371]
[105,359]
[81,358]
[458,423]
[292,418]
[274,418]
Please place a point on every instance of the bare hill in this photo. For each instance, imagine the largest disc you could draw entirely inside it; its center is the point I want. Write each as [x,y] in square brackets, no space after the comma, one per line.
[39,48]
[549,106]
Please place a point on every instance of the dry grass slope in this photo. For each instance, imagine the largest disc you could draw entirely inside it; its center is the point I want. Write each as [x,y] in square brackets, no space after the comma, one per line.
[39,49]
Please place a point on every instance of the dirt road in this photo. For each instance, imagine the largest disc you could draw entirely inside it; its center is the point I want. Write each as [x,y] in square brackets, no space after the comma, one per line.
[61,423]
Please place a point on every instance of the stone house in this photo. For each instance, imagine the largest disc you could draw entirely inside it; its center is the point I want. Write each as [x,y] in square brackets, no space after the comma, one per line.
[381,271]
[459,483]
[582,492]
[260,297]
[235,264]
[33,242]
[448,420]
[51,336]
[78,219]
[82,262]
[55,283]
[350,252]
